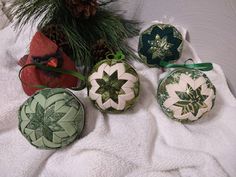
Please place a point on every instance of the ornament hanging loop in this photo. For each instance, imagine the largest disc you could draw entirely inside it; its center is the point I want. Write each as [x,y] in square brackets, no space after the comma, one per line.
[199,66]
[188,61]
[117,56]
[52,69]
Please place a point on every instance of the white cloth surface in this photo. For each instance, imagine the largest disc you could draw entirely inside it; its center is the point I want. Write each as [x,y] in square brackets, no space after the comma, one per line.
[143,142]
[4,20]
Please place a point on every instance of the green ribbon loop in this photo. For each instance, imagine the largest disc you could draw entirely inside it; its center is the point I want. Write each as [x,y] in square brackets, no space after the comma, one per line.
[58,70]
[199,66]
[62,71]
[117,56]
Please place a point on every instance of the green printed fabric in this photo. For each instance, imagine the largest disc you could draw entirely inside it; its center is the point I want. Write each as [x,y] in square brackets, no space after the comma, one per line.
[51,118]
[186,95]
[113,86]
[160,42]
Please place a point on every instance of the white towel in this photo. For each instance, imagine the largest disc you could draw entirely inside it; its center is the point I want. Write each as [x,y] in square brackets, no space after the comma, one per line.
[3,18]
[142,142]
[4,6]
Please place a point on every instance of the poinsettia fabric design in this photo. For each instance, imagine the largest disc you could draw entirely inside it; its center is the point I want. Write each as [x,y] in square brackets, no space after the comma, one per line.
[186,95]
[113,86]
[160,42]
[160,47]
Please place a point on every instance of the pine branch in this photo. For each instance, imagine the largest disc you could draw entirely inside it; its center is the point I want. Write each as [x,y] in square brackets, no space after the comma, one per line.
[104,3]
[81,33]
[25,11]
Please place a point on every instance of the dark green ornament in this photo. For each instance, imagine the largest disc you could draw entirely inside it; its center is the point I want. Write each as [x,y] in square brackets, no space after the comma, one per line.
[160,42]
[51,118]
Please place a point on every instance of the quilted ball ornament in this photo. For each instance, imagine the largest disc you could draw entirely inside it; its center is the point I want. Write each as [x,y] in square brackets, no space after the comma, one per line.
[113,86]
[160,42]
[51,118]
[186,95]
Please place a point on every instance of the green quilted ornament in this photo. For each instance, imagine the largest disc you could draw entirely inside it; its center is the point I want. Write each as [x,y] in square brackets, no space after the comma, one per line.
[51,118]
[186,95]
[160,42]
[113,86]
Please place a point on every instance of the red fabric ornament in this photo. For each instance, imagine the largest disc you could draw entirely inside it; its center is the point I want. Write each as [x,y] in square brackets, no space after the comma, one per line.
[42,46]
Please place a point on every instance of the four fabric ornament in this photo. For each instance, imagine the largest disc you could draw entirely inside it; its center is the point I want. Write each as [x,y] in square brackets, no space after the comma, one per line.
[51,118]
[47,120]
[85,31]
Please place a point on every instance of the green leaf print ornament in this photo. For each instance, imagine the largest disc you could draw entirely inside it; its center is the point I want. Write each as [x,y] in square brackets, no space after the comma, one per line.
[186,95]
[113,86]
[51,118]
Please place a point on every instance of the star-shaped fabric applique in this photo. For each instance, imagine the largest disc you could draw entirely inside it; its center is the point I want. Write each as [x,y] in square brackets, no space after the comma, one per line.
[160,47]
[191,100]
[43,127]
[110,87]
[183,94]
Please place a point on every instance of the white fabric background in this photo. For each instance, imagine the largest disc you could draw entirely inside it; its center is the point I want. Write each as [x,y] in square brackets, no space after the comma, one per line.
[3,18]
[143,142]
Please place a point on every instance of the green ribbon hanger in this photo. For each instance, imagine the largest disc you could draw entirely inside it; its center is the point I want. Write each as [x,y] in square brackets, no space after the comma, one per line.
[117,56]
[49,68]
[199,66]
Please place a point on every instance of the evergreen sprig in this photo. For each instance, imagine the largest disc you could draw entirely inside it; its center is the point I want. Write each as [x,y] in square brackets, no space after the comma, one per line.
[81,32]
[26,11]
